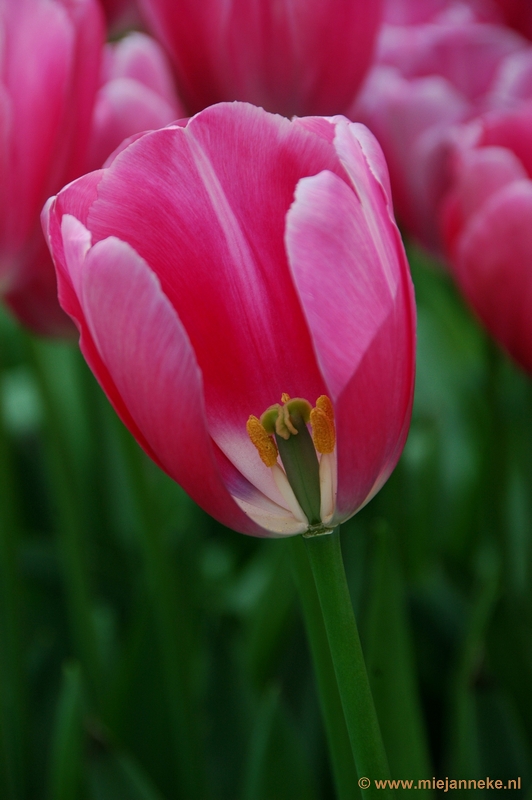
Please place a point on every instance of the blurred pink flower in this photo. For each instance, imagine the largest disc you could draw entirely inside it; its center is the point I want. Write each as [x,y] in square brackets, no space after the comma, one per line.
[215,268]
[48,80]
[513,81]
[486,222]
[137,94]
[429,77]
[289,56]
[54,125]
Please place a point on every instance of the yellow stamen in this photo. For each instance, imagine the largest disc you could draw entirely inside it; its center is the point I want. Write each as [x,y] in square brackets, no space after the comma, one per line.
[263,442]
[285,397]
[323,429]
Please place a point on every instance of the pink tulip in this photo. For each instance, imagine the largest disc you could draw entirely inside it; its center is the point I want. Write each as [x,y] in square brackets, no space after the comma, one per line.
[427,79]
[218,266]
[486,222]
[137,94]
[48,80]
[55,125]
[414,122]
[289,56]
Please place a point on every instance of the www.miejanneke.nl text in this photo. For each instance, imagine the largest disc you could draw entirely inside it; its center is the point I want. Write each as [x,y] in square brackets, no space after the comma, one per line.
[445,784]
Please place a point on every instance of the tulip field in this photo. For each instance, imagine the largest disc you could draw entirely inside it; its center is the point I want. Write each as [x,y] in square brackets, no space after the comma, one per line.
[265,399]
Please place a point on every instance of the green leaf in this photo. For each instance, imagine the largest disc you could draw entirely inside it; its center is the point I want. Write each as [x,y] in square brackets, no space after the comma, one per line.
[391,667]
[276,766]
[66,766]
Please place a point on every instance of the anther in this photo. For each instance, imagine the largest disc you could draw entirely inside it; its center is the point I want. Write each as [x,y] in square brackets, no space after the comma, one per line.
[262,440]
[322,422]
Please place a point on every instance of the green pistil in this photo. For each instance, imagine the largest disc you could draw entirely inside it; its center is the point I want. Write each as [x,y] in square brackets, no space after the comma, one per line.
[301,465]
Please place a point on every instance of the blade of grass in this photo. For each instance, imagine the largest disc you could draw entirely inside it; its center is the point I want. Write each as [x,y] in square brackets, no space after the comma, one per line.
[277,766]
[463,747]
[66,767]
[390,666]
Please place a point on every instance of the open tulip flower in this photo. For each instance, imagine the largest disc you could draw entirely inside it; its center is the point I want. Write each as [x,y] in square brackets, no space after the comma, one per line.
[289,56]
[243,297]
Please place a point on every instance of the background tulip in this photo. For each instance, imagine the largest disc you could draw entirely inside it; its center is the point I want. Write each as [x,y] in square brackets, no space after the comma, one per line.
[212,268]
[428,77]
[137,94]
[486,225]
[57,123]
[48,80]
[292,57]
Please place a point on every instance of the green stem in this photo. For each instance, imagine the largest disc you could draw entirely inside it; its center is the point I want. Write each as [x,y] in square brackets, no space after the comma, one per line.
[325,557]
[343,766]
[172,619]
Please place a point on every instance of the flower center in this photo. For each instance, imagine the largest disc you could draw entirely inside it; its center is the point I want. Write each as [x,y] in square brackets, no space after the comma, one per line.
[282,431]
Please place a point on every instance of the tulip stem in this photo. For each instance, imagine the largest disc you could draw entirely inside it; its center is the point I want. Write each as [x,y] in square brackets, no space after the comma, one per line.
[343,766]
[325,556]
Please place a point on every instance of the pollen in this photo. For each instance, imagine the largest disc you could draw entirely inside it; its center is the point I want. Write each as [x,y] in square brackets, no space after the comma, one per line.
[264,443]
[323,428]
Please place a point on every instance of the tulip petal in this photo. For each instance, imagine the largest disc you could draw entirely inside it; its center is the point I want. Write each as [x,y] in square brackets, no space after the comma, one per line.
[31,61]
[512,130]
[336,269]
[289,56]
[77,197]
[492,265]
[123,108]
[481,172]
[139,57]
[149,359]
[373,412]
